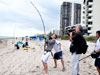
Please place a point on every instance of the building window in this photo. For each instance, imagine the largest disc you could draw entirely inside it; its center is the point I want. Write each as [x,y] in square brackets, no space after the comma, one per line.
[89,11]
[83,12]
[89,17]
[84,1]
[90,0]
[83,17]
[83,22]
[90,23]
[89,28]
[90,6]
[84,7]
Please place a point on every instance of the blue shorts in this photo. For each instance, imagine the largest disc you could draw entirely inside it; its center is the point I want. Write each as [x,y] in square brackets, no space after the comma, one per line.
[58,55]
[97,62]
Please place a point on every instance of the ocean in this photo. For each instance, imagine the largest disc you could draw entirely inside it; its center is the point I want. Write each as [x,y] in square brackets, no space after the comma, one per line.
[5,37]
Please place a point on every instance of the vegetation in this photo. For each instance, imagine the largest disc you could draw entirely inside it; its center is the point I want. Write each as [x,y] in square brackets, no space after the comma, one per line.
[64,37]
[91,38]
[88,38]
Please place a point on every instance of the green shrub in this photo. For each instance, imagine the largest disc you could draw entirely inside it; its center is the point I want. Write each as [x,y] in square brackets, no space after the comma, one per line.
[91,38]
[64,37]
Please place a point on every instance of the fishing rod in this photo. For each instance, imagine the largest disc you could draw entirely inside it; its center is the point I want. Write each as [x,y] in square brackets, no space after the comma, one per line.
[41,20]
[85,57]
[40,16]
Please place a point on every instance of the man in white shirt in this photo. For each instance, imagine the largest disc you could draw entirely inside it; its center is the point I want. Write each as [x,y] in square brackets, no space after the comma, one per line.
[97,49]
[59,54]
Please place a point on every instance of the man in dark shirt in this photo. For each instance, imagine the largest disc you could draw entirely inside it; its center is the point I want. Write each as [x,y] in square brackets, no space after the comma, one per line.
[76,40]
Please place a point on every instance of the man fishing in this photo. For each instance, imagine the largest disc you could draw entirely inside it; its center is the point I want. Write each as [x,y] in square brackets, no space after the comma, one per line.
[47,52]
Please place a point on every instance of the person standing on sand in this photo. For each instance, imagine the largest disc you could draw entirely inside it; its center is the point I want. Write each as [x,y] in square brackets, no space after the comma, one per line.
[77,40]
[47,53]
[59,54]
[97,49]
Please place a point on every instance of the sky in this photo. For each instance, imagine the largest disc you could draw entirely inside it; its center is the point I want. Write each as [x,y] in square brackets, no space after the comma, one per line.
[19,18]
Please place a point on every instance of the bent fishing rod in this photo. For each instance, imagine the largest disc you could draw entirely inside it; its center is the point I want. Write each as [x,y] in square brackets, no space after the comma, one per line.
[85,57]
[40,16]
[41,20]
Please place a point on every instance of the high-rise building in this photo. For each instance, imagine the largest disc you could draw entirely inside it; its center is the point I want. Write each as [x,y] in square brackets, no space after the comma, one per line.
[70,17]
[65,19]
[91,15]
[77,13]
[56,32]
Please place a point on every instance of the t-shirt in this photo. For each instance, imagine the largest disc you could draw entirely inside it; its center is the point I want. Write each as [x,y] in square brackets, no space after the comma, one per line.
[77,41]
[50,44]
[98,46]
[57,46]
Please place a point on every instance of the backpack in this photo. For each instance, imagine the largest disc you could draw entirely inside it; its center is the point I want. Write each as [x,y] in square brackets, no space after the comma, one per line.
[84,46]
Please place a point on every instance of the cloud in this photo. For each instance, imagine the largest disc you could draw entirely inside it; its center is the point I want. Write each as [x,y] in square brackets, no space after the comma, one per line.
[22,14]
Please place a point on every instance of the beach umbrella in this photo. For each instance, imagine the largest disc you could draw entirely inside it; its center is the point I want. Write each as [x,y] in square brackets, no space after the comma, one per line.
[33,37]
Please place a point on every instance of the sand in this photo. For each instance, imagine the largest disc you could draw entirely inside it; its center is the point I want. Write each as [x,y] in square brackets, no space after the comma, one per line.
[27,62]
[3,42]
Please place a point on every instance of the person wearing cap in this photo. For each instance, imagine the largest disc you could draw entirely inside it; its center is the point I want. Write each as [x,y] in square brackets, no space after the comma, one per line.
[97,49]
[76,53]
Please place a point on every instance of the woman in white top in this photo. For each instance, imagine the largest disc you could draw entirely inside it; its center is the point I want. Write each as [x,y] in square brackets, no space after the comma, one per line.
[97,61]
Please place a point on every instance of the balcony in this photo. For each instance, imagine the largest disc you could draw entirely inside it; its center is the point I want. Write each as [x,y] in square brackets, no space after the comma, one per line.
[90,20]
[90,15]
[90,4]
[89,31]
[90,9]
[90,26]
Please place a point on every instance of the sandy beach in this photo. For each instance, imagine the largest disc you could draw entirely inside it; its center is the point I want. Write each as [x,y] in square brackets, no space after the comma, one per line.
[27,62]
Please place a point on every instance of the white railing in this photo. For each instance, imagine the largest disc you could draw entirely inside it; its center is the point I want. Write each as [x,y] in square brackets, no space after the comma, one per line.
[90,26]
[89,31]
[90,3]
[90,20]
[90,14]
[90,9]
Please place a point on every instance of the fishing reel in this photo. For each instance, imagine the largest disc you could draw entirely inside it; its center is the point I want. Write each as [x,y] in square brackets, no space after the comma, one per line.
[95,54]
[73,32]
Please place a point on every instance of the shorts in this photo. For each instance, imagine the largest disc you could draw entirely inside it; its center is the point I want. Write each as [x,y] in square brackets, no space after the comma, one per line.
[97,62]
[45,56]
[58,55]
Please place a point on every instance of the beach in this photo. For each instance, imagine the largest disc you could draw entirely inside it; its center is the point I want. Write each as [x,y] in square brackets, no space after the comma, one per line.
[28,62]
